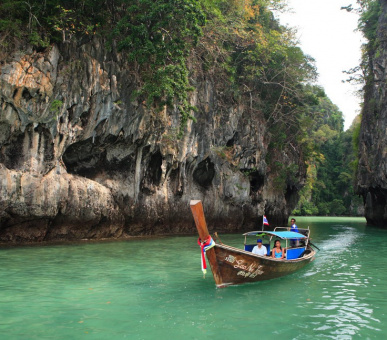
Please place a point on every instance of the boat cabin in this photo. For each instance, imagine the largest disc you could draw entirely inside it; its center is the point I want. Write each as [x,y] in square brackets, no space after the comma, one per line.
[295,244]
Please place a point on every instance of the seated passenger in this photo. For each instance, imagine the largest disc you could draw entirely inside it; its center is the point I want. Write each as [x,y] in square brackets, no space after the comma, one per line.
[277,252]
[259,249]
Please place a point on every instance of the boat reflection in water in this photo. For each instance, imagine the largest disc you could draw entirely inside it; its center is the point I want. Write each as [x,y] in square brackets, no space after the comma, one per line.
[233,266]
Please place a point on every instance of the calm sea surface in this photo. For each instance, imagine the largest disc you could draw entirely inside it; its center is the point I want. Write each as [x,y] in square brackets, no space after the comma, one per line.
[154,289]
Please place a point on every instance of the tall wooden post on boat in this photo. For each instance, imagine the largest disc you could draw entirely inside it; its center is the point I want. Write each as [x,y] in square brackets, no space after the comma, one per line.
[201,225]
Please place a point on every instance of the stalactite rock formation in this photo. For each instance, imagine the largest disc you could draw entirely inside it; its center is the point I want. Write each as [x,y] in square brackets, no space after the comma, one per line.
[80,157]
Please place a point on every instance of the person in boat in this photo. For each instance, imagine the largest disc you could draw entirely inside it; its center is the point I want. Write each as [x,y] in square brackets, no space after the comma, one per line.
[259,249]
[277,252]
[293,227]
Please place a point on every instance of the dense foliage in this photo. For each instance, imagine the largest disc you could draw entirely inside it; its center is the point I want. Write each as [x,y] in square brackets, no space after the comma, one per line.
[239,42]
[329,188]
[157,36]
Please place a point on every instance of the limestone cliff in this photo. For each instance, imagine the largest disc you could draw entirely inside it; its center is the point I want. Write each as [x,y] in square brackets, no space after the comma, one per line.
[80,158]
[372,170]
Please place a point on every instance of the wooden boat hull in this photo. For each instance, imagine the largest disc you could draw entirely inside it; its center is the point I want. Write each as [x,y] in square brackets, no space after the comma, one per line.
[236,266]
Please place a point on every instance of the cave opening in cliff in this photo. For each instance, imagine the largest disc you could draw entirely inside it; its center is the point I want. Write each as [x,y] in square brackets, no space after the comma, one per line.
[376,206]
[84,158]
[154,168]
[152,163]
[176,184]
[257,181]
[232,141]
[45,144]
[291,194]
[25,145]
[204,173]
[26,94]
[12,155]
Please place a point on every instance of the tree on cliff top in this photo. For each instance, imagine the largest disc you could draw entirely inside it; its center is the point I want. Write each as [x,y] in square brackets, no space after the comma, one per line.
[158,37]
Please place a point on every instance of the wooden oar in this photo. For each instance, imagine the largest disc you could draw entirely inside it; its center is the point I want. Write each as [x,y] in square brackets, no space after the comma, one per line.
[312,244]
[217,236]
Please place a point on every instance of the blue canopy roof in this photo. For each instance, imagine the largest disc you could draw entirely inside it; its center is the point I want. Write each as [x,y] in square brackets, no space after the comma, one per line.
[279,234]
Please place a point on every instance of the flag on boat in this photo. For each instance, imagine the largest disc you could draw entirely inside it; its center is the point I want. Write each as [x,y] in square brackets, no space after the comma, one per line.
[265,221]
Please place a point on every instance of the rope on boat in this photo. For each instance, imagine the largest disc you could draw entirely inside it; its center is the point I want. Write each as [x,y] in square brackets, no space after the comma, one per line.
[208,243]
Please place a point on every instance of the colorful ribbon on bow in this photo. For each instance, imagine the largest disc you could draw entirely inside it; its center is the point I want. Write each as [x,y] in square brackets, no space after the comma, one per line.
[204,246]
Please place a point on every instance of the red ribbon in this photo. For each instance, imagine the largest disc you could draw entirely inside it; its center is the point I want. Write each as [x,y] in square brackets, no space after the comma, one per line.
[202,245]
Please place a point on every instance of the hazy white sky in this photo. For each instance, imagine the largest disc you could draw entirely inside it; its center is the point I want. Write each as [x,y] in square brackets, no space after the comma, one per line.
[327,34]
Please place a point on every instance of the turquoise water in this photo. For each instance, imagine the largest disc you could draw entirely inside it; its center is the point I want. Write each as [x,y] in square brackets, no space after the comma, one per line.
[154,289]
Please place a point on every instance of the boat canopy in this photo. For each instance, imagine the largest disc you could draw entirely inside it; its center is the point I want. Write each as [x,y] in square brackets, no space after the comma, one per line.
[280,234]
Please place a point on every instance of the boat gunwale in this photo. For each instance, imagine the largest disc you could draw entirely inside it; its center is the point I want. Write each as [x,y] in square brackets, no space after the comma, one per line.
[266,257]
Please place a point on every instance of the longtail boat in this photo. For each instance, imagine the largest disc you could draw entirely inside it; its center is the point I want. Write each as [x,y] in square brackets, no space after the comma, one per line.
[233,266]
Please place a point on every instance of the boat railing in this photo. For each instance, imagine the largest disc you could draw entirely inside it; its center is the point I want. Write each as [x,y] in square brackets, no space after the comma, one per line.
[281,228]
[302,231]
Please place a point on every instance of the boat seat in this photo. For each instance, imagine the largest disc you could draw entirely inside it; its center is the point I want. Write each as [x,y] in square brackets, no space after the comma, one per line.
[267,245]
[249,247]
[294,253]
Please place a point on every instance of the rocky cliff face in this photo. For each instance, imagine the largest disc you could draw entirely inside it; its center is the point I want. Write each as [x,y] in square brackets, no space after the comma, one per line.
[372,170]
[80,158]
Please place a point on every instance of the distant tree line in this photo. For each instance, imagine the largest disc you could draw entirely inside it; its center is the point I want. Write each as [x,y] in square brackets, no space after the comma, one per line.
[330,184]
[329,188]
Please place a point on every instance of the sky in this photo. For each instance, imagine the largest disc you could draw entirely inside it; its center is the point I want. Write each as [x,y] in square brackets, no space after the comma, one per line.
[326,33]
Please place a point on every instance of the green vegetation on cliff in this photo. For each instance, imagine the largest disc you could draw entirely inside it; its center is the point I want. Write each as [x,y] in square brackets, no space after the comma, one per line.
[240,45]
[239,42]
